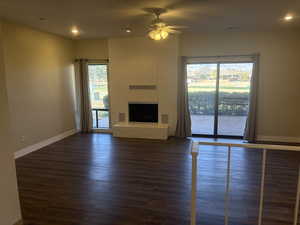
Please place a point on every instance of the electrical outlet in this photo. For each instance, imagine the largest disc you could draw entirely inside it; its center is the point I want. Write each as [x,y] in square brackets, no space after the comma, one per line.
[22,138]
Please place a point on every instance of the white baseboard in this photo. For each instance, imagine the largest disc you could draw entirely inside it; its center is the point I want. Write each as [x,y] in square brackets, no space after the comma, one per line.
[43,143]
[18,222]
[279,139]
[106,131]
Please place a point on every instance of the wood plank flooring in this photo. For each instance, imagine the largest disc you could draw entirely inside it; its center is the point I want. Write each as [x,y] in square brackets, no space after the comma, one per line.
[96,179]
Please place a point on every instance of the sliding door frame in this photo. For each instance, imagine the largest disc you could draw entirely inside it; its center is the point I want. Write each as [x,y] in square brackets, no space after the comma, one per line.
[217,100]
[102,129]
[216,114]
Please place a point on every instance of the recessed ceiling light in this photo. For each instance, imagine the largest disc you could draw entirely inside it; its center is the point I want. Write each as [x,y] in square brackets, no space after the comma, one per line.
[74,31]
[288,17]
[128,30]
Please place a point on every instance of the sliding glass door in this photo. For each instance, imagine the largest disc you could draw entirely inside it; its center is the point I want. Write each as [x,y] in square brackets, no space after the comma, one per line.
[99,95]
[219,97]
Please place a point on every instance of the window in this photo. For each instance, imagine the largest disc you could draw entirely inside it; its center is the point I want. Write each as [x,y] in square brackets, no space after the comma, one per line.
[98,83]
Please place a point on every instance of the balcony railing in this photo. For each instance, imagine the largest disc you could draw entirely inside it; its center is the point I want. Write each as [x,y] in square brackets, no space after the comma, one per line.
[96,119]
[264,148]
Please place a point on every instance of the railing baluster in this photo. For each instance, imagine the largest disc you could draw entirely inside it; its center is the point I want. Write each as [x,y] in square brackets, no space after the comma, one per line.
[262,187]
[297,200]
[194,152]
[97,122]
[227,185]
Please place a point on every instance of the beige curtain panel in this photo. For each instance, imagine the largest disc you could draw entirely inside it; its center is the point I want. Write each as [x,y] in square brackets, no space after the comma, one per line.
[86,118]
[183,128]
[250,129]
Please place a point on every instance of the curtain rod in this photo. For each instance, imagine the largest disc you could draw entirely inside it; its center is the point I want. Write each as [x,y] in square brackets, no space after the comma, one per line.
[106,60]
[222,56]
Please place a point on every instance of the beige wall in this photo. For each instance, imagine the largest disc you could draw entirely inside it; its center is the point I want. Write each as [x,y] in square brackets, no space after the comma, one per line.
[40,84]
[91,49]
[278,111]
[279,71]
[9,201]
[141,61]
[45,72]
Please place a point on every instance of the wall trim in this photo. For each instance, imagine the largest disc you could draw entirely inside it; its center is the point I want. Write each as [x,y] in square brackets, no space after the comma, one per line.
[105,131]
[19,222]
[279,139]
[39,145]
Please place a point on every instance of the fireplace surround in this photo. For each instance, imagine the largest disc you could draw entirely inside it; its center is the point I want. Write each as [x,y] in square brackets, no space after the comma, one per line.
[143,122]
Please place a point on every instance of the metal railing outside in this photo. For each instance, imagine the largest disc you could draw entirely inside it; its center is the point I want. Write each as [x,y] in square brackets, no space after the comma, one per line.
[97,116]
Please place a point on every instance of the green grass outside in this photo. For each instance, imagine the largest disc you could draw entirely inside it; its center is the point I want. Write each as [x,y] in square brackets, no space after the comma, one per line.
[226,86]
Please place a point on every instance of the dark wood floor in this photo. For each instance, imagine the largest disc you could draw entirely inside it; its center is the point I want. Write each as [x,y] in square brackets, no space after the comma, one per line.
[97,179]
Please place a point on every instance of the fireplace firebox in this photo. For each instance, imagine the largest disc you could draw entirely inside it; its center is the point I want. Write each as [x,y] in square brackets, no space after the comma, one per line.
[143,112]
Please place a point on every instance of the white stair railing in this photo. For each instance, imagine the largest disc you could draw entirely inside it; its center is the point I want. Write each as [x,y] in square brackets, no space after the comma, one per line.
[265,148]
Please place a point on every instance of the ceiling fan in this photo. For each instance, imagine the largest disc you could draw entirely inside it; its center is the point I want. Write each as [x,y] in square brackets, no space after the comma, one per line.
[158,29]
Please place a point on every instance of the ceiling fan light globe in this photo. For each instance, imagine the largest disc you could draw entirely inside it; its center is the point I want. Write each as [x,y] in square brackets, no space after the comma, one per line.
[157,36]
[164,34]
[152,34]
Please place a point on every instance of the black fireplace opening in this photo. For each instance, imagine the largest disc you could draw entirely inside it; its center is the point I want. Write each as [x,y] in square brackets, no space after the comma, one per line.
[141,112]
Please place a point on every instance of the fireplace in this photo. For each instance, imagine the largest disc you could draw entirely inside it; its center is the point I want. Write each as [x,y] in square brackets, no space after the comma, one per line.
[143,112]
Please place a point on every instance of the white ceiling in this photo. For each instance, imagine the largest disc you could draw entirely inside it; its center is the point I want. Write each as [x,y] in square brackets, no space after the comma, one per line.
[105,18]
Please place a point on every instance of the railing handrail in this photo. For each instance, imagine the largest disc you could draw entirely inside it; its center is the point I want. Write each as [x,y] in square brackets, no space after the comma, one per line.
[250,145]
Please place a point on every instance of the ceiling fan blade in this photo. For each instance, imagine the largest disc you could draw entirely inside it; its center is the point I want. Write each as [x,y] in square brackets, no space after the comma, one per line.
[175,31]
[177,26]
